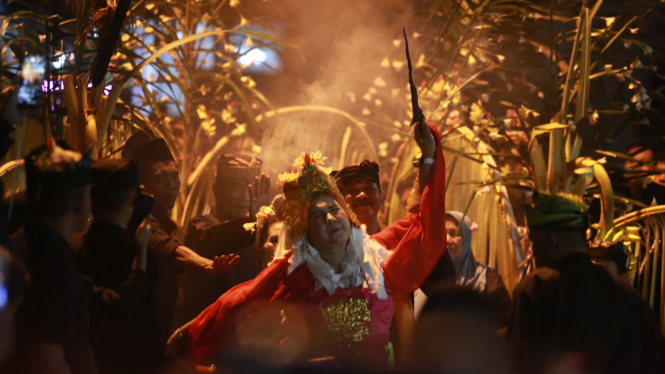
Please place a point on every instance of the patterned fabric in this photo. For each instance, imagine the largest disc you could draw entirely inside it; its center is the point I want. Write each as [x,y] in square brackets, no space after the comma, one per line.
[347,318]
[557,211]
[238,166]
[351,173]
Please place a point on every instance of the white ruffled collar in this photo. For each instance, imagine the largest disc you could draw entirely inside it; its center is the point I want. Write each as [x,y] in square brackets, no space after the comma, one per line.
[361,265]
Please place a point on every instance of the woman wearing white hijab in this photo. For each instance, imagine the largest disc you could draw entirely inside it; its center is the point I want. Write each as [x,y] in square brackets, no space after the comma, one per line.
[470,273]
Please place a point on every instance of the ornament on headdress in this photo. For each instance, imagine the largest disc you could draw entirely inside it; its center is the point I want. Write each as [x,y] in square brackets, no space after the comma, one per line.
[288,177]
[52,167]
[264,215]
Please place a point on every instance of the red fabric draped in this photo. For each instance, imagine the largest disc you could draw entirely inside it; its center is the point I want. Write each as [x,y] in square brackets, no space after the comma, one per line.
[215,327]
[419,239]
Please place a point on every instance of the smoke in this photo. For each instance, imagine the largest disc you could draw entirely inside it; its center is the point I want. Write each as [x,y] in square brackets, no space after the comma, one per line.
[343,43]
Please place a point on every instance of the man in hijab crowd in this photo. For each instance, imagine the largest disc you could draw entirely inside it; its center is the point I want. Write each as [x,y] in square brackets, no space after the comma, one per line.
[102,296]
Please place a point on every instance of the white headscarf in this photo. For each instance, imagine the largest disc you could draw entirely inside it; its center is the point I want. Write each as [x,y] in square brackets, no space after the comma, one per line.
[469,273]
[362,263]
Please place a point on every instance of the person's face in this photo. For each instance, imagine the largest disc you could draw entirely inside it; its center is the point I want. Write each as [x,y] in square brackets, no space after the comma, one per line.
[162,180]
[232,197]
[365,199]
[327,224]
[455,240]
[270,245]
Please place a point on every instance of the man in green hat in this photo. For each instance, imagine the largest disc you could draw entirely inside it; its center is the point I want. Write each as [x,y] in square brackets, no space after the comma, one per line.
[571,312]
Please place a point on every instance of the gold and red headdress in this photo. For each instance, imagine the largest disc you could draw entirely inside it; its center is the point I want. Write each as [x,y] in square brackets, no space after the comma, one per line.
[308,181]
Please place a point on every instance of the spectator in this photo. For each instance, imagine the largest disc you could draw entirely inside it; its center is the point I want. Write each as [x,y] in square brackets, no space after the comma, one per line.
[52,322]
[456,334]
[123,334]
[159,174]
[240,190]
[569,306]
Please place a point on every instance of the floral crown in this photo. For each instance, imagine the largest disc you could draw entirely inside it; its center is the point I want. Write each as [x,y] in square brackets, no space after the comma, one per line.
[309,180]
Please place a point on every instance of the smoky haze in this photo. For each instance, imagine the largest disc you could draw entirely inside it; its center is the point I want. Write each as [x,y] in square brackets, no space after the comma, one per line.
[341,45]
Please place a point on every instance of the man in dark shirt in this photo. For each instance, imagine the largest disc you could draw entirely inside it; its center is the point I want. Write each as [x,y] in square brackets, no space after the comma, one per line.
[572,311]
[240,190]
[52,322]
[123,333]
[160,176]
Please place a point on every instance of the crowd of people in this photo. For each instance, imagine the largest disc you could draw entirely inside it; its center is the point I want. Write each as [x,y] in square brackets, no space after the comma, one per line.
[99,278]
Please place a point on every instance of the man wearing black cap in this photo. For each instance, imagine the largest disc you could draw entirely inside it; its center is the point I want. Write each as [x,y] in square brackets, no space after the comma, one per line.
[160,176]
[123,334]
[240,190]
[52,322]
[571,315]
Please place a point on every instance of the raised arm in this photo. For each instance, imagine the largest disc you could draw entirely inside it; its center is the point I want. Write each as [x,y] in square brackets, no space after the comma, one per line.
[419,239]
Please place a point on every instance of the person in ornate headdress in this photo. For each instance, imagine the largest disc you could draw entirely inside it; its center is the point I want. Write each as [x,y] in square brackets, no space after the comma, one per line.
[328,293]
[571,312]
[52,322]
[239,189]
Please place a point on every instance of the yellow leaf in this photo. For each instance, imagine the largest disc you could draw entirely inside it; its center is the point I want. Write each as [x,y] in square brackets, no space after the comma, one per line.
[248,81]
[379,82]
[201,111]
[385,63]
[398,64]
[250,226]
[256,148]
[249,42]
[227,116]
[239,130]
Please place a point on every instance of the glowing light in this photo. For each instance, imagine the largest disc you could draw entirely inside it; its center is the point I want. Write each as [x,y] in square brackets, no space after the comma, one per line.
[59,61]
[252,57]
[3,296]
